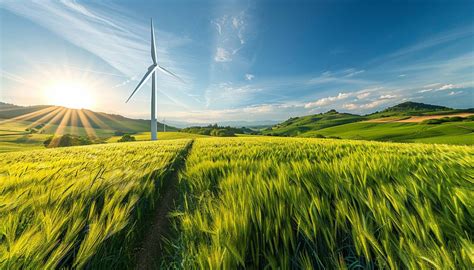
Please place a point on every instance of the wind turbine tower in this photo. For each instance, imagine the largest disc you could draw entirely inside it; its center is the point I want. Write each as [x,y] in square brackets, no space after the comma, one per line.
[152,73]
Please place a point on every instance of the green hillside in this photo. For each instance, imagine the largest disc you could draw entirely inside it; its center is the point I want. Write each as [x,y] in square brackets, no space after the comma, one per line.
[387,125]
[53,116]
[449,133]
[299,125]
[27,127]
[410,108]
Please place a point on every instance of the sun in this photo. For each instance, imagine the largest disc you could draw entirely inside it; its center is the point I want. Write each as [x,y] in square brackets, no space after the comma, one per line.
[71,94]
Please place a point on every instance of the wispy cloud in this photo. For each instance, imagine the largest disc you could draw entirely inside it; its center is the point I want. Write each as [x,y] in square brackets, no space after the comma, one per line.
[119,40]
[433,41]
[12,77]
[449,86]
[231,30]
[222,55]
[340,76]
[353,72]
[249,76]
[442,87]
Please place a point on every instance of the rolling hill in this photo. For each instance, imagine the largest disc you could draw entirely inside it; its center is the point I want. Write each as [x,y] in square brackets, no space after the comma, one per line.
[404,122]
[50,117]
[27,127]
[299,125]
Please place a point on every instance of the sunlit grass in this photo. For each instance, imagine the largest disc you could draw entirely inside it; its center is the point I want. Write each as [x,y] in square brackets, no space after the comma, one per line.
[79,206]
[325,204]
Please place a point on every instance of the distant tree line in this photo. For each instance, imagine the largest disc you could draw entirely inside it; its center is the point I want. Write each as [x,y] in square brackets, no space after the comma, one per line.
[71,140]
[448,119]
[68,140]
[219,131]
[127,138]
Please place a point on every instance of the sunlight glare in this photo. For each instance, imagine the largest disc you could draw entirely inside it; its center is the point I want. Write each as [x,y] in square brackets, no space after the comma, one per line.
[70,94]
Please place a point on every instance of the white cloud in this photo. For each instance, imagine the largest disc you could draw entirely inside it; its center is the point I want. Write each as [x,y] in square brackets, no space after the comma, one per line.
[249,76]
[450,86]
[350,106]
[388,96]
[452,93]
[363,95]
[402,75]
[327,100]
[366,92]
[425,90]
[447,86]
[372,104]
[441,87]
[222,55]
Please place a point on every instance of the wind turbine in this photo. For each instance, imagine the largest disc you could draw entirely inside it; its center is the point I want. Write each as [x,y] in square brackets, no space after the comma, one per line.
[152,73]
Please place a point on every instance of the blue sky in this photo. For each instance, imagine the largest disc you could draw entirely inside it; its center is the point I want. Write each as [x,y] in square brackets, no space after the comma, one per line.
[242,60]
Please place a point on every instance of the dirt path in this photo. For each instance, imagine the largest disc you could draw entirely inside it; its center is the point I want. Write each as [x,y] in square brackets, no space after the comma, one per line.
[152,248]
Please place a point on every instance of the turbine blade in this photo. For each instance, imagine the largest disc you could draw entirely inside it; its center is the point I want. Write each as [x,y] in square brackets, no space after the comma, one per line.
[164,70]
[153,47]
[144,79]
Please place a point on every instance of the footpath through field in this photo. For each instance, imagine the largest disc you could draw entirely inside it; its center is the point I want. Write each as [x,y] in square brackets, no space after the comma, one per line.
[149,254]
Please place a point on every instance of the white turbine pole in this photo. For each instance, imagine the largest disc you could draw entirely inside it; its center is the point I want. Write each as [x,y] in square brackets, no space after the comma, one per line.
[153,86]
[153,108]
[152,73]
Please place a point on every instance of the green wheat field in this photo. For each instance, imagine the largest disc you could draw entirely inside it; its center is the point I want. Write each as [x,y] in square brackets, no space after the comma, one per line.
[242,202]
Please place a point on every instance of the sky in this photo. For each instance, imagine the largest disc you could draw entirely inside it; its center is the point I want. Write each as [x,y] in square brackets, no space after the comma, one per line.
[240,60]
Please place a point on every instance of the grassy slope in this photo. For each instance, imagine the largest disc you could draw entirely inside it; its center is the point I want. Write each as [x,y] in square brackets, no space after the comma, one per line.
[350,126]
[79,206]
[451,133]
[300,125]
[97,120]
[13,136]
[325,204]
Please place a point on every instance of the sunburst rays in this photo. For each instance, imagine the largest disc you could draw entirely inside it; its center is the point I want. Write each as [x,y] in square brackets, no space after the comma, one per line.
[29,116]
[86,124]
[58,121]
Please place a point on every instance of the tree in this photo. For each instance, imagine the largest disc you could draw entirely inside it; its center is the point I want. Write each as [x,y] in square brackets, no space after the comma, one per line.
[127,138]
[66,140]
